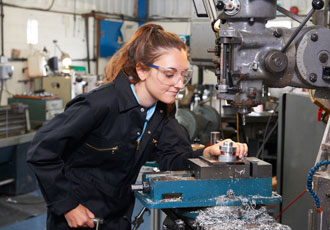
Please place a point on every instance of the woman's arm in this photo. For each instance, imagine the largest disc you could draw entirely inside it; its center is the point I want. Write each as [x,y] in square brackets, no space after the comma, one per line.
[51,145]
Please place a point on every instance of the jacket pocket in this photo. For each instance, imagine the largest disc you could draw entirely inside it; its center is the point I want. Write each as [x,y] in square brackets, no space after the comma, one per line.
[102,198]
[112,150]
[98,153]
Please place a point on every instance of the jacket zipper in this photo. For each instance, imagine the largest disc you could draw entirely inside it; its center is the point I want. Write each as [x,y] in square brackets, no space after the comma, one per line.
[137,145]
[113,149]
[155,142]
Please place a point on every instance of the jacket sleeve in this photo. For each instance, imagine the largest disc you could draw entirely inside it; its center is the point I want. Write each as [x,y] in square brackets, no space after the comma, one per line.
[174,148]
[51,145]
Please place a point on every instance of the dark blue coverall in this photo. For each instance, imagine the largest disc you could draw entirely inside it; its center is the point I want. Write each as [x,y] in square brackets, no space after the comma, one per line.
[89,154]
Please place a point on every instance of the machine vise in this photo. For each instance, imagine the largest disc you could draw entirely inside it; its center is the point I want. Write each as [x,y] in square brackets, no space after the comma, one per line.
[209,183]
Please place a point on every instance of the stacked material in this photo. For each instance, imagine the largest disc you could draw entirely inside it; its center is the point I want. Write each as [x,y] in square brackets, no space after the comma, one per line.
[14,120]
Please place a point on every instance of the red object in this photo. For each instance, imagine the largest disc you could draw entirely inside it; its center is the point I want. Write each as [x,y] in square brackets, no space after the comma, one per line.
[294,10]
[319,114]
[300,195]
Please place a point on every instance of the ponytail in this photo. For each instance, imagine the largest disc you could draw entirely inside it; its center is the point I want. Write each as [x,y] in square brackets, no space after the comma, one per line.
[145,46]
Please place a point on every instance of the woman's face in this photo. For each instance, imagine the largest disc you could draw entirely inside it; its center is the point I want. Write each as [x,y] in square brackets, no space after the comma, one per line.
[164,78]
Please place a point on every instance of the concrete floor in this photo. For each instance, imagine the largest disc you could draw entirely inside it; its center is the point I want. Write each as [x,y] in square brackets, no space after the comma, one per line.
[35,223]
[39,222]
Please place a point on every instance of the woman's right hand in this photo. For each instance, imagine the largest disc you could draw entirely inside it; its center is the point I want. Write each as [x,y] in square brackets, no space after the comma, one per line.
[80,217]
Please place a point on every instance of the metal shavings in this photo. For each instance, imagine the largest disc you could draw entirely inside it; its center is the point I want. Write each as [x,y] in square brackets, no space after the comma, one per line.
[172,199]
[241,217]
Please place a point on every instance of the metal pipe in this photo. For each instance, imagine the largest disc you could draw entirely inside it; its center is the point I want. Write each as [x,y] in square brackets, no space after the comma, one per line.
[224,64]
[215,137]
[2,41]
[87,44]
[210,10]
[8,181]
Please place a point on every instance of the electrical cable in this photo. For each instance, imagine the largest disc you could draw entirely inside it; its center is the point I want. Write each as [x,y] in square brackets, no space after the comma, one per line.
[242,135]
[51,5]
[34,8]
[291,203]
[6,89]
[264,141]
[237,126]
[1,89]
[221,128]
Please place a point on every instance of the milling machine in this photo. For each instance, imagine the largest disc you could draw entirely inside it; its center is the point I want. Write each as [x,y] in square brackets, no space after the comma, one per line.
[248,57]
[226,182]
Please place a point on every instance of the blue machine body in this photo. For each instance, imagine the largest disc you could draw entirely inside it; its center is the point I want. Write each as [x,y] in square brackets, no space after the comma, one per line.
[183,191]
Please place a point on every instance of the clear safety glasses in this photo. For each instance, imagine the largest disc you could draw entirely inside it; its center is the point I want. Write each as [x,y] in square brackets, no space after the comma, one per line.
[172,76]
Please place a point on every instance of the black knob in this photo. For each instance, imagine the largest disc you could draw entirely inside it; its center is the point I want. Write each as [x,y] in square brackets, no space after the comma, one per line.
[220,5]
[314,37]
[317,4]
[313,77]
[278,32]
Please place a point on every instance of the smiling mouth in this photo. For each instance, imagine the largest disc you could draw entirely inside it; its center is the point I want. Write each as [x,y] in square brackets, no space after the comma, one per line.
[173,92]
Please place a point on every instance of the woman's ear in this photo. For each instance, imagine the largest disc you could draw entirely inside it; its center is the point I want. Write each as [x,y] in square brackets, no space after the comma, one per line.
[141,71]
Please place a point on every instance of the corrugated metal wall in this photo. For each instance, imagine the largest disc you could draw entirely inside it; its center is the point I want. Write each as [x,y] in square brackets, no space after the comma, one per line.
[170,8]
[182,8]
[125,7]
[157,8]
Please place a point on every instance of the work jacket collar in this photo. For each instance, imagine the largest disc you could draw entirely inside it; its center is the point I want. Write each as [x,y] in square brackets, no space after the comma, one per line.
[126,97]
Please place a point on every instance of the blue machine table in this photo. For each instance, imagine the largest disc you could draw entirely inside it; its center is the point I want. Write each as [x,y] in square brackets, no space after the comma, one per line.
[212,195]
[209,183]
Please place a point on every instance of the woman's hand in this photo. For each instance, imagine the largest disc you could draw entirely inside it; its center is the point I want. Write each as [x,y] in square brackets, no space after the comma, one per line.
[80,217]
[214,150]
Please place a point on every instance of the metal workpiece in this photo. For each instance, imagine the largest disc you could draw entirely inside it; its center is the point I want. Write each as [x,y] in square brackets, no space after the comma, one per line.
[228,152]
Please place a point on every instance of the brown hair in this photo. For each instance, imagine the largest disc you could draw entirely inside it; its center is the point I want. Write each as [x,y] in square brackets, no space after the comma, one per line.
[145,47]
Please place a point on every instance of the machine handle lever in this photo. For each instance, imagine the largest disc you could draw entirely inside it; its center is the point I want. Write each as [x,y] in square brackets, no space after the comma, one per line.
[144,187]
[97,222]
[317,5]
[138,219]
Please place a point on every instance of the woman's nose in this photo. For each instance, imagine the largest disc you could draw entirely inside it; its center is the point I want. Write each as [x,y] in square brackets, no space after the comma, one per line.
[179,84]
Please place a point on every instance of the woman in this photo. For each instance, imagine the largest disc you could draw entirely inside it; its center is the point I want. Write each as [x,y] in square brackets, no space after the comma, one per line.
[87,157]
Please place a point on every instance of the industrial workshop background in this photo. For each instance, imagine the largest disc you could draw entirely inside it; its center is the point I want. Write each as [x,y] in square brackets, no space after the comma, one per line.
[54,50]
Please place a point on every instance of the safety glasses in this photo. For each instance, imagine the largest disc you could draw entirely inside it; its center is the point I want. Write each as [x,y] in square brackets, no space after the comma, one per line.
[172,76]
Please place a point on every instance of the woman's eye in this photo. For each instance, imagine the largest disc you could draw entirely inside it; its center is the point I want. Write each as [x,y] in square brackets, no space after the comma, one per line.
[169,74]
